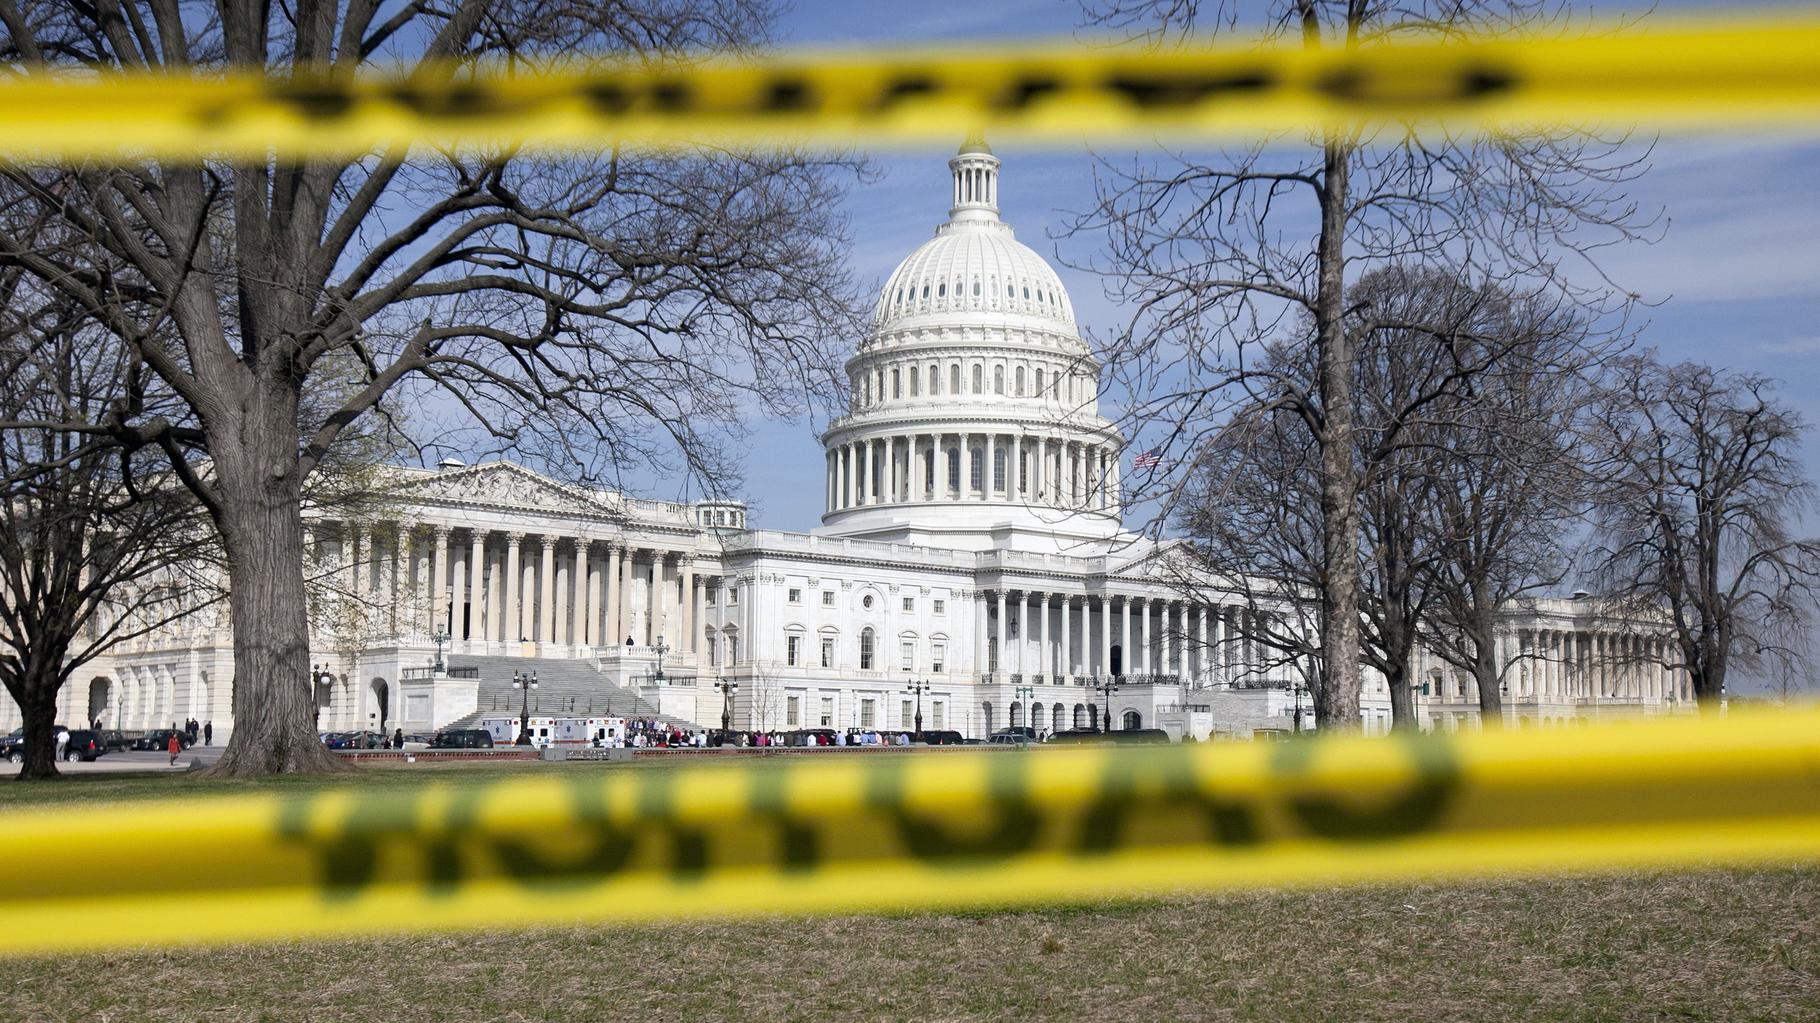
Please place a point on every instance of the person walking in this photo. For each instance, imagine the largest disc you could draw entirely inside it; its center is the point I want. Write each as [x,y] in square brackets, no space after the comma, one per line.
[398,738]
[63,740]
[174,747]
[208,733]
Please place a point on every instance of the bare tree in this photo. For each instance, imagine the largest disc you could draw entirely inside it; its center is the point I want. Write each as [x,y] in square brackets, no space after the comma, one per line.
[1214,254]
[1701,491]
[1508,482]
[98,545]
[589,312]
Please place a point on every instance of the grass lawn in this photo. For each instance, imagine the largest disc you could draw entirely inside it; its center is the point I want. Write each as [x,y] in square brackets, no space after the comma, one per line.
[1724,944]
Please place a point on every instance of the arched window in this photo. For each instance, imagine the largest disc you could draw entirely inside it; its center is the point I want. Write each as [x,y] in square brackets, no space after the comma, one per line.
[954,469]
[865,649]
[998,380]
[1020,382]
[954,379]
[897,384]
[1010,292]
[929,471]
[976,289]
[941,290]
[925,291]
[935,379]
[979,379]
[998,469]
[977,478]
[865,390]
[1039,383]
[912,381]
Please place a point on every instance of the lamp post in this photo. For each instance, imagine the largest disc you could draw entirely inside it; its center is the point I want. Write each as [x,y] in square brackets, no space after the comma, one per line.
[319,676]
[1296,687]
[727,689]
[524,681]
[1025,694]
[918,688]
[1108,686]
[661,651]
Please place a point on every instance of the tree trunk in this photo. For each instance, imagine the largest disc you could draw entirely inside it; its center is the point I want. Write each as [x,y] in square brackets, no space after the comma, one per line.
[1337,701]
[1402,701]
[260,517]
[1487,675]
[38,707]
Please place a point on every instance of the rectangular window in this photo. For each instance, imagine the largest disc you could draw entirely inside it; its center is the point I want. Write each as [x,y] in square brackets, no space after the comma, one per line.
[936,714]
[867,716]
[976,476]
[938,654]
[827,598]
[941,606]
[793,712]
[827,712]
[907,719]
[796,595]
[713,596]
[793,650]
[827,652]
[733,595]
[908,659]
[909,604]
[732,649]
[713,653]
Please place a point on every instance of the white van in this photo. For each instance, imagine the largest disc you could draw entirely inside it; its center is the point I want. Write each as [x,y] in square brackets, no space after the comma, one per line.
[590,731]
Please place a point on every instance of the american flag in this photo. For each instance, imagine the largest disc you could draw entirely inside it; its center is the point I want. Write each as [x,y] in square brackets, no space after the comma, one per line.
[1148,460]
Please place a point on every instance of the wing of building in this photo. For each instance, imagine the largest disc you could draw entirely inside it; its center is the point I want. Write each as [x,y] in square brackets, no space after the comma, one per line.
[971,567]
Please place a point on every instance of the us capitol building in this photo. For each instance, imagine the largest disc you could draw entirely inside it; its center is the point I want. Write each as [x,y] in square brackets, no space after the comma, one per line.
[972,542]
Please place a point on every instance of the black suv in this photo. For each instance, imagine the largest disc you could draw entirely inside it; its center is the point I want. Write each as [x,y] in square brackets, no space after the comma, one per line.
[84,744]
[159,740]
[463,738]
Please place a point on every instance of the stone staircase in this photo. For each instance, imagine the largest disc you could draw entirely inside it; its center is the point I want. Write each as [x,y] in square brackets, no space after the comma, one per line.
[565,688]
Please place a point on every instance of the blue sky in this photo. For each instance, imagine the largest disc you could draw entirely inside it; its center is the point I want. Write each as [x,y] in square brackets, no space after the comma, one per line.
[1735,279]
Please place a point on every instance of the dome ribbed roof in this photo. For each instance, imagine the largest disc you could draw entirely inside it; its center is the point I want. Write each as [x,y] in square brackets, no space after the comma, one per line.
[970,268]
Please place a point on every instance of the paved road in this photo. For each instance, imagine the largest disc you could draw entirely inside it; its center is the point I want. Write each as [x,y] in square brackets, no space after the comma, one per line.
[114,763]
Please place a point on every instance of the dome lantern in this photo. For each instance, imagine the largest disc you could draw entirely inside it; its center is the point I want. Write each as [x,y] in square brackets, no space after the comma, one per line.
[975,181]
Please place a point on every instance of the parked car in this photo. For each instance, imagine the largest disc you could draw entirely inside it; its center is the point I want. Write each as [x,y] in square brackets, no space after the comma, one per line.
[12,748]
[1011,739]
[84,744]
[159,739]
[943,737]
[417,741]
[462,738]
[115,741]
[358,740]
[1073,735]
[1024,730]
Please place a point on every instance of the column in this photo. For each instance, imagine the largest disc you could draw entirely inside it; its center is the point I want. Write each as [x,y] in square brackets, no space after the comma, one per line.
[351,544]
[1066,669]
[546,589]
[1104,665]
[991,464]
[477,585]
[1113,481]
[1125,637]
[627,565]
[579,604]
[613,635]
[400,551]
[1200,626]
[1013,492]
[1045,659]
[687,572]
[698,611]
[999,633]
[439,560]
[868,493]
[1039,471]
[660,602]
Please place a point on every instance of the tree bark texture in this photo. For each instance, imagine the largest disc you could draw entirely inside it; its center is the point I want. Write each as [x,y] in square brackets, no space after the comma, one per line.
[260,519]
[1337,700]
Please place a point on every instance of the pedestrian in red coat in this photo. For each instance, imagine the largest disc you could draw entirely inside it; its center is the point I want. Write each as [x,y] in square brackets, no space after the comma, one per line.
[173,747]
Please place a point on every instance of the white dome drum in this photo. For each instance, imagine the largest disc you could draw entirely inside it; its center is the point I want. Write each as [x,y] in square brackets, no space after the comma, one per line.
[974,416]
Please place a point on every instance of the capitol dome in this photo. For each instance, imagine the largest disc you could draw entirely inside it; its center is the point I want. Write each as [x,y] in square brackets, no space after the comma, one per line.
[974,418]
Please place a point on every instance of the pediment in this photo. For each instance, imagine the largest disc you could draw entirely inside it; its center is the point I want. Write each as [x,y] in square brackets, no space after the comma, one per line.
[505,485]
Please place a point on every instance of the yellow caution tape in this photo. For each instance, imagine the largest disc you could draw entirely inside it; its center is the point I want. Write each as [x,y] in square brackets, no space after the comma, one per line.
[855,832]
[1724,74]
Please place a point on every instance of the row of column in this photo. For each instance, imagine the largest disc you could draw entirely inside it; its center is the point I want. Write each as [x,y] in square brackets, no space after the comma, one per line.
[509,586]
[1118,635]
[916,467]
[1583,665]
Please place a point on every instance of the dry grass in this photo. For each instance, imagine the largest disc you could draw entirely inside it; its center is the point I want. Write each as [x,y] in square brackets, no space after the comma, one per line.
[1723,944]
[1714,945]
